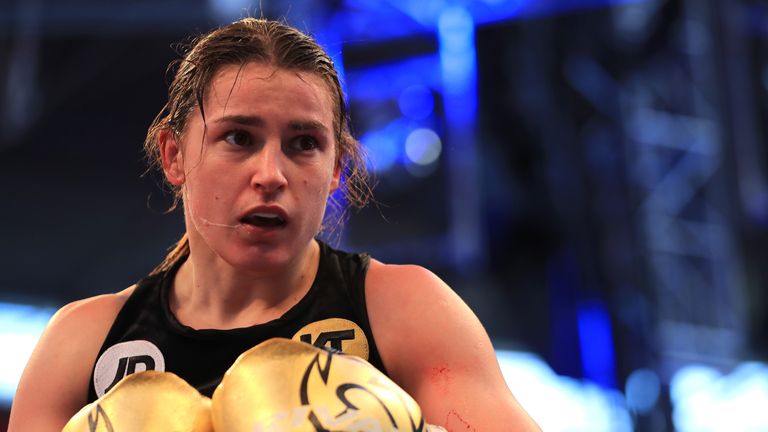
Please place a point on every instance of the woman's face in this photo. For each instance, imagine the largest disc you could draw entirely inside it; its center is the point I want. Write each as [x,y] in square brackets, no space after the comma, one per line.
[256,175]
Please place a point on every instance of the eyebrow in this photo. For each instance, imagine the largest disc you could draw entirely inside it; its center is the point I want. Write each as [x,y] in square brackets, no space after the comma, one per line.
[241,119]
[307,125]
[296,125]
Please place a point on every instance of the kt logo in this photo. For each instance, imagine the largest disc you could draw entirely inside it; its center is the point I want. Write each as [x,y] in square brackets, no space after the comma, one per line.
[334,337]
[336,333]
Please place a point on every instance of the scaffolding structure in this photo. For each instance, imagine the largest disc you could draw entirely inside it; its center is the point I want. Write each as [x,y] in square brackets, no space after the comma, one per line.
[678,160]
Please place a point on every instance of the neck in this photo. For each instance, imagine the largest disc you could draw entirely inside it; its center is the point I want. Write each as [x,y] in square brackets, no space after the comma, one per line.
[209,293]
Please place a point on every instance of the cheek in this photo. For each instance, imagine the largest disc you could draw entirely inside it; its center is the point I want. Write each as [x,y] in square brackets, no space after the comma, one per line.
[208,192]
[319,180]
[317,191]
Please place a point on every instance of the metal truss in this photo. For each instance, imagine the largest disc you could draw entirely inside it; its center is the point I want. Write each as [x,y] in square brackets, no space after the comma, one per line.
[677,159]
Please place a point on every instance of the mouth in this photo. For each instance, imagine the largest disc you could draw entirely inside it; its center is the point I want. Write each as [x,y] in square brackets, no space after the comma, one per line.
[264,219]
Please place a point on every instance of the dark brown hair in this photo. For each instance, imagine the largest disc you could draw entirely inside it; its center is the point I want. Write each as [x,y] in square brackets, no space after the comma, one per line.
[262,41]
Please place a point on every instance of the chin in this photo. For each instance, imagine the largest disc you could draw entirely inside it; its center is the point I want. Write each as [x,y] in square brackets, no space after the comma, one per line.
[259,258]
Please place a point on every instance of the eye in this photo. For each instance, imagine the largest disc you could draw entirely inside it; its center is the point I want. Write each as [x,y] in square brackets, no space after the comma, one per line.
[238,138]
[304,143]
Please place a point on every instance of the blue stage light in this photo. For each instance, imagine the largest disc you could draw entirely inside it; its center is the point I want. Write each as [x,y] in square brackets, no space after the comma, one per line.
[642,390]
[20,328]
[416,102]
[228,10]
[383,150]
[458,65]
[705,399]
[388,81]
[560,403]
[596,341]
[423,146]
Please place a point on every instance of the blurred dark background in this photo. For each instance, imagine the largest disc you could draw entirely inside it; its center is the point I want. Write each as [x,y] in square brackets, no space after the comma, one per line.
[589,175]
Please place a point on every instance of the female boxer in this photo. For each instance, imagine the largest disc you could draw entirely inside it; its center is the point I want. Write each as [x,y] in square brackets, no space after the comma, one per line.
[254,139]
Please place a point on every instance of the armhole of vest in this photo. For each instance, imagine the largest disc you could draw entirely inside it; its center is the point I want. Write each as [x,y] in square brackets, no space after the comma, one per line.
[359,284]
[115,327]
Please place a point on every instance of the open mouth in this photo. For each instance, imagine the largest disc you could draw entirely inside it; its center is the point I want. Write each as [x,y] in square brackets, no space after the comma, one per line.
[264,220]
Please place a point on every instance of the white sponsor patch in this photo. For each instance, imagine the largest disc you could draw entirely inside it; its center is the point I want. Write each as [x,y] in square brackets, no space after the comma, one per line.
[124,359]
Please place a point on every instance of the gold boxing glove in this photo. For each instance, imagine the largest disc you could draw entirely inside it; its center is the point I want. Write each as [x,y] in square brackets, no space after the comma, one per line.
[146,401]
[285,385]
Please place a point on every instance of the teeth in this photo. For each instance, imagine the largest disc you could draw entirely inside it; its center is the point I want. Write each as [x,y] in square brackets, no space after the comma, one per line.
[266,215]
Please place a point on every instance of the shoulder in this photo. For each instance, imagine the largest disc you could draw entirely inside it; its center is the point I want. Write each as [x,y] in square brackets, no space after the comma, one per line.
[56,378]
[400,290]
[415,313]
[382,278]
[87,317]
[104,303]
[93,309]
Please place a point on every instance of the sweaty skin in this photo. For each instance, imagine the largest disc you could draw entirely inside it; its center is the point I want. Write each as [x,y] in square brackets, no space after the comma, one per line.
[280,160]
[416,320]
[256,174]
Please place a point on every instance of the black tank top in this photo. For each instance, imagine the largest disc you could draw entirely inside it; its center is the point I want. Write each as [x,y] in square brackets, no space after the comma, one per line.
[146,335]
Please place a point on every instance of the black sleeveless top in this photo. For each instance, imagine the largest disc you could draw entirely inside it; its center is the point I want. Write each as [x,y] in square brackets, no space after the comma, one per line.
[146,335]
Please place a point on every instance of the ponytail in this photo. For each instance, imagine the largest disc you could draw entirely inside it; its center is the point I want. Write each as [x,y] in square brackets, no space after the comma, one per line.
[179,251]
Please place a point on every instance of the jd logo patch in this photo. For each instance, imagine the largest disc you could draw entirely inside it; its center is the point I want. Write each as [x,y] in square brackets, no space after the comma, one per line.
[337,333]
[124,359]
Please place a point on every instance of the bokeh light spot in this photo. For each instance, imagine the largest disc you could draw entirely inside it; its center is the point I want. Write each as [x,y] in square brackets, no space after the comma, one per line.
[423,146]
[416,102]
[642,390]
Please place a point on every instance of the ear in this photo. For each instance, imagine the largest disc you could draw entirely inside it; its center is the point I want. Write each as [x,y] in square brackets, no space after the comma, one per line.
[170,153]
[336,179]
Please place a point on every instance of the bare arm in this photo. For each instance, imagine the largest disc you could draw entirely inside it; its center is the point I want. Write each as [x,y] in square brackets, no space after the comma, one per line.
[54,385]
[436,349]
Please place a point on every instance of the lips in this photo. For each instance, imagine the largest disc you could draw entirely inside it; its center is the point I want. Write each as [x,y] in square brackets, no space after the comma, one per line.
[265,217]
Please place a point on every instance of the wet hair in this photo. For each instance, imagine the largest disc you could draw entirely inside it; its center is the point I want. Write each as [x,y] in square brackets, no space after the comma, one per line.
[272,43]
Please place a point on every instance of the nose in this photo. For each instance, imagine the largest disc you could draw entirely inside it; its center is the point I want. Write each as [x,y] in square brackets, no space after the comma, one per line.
[268,174]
